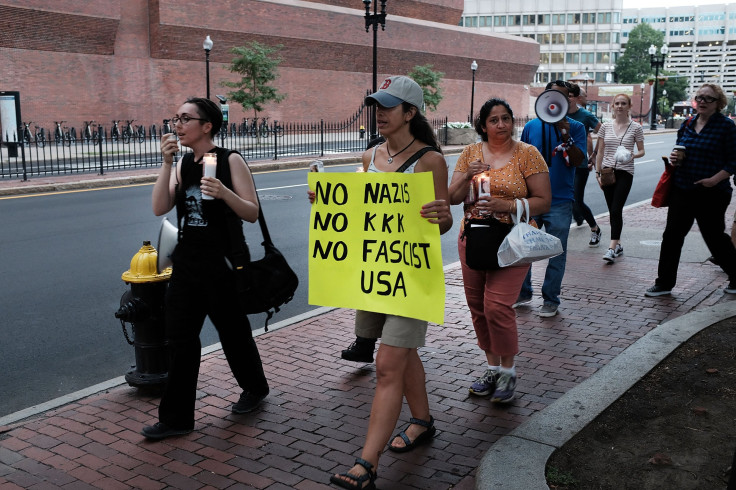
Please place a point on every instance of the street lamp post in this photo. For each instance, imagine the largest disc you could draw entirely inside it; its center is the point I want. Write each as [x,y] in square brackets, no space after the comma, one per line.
[207,45]
[374,20]
[641,101]
[657,62]
[473,68]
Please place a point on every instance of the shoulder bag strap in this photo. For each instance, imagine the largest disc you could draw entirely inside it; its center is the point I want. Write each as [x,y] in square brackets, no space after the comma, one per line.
[416,156]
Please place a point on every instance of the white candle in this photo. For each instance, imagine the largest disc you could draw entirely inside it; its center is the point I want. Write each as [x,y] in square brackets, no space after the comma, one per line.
[210,168]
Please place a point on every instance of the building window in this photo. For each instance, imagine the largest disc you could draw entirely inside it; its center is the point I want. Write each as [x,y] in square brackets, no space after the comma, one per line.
[589,18]
[471,21]
[573,38]
[603,58]
[712,16]
[709,31]
[604,17]
[543,19]
[603,37]
[588,37]
[530,20]
[558,38]
[530,36]
[499,20]
[543,38]
[572,57]
[558,19]
[617,17]
[557,57]
[615,37]
[573,18]
[544,58]
[556,75]
[485,21]
[514,20]
[588,58]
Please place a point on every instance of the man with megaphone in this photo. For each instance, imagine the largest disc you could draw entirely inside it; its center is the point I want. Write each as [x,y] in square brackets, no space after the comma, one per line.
[562,142]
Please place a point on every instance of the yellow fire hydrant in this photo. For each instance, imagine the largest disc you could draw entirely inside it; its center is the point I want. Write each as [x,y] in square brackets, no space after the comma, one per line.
[143,307]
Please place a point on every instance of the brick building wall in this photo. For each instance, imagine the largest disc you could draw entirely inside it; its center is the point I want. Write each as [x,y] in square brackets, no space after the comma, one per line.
[139,59]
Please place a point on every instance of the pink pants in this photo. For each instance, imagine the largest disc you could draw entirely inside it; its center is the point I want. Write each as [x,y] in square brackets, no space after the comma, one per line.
[490,295]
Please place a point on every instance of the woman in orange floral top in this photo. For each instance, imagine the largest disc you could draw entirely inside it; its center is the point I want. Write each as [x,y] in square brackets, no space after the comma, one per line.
[516,170]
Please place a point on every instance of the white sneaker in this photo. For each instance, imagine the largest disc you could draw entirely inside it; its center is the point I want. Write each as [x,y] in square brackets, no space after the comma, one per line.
[595,238]
[610,256]
[619,251]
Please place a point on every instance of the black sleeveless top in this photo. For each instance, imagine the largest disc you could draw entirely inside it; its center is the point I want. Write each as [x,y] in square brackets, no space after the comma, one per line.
[203,223]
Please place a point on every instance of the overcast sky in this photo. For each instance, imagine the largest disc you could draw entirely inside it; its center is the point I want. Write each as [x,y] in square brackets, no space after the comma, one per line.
[667,3]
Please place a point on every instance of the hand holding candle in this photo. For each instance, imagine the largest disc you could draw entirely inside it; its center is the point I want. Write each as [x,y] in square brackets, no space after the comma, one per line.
[209,163]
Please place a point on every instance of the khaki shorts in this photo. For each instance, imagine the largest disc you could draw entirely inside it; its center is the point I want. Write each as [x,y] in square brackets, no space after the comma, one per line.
[396,331]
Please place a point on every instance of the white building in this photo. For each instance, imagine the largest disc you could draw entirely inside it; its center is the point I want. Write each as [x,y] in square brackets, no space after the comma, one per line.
[579,38]
[576,37]
[701,40]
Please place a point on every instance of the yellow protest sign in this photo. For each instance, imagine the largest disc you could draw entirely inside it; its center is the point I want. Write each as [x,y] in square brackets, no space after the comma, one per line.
[369,248]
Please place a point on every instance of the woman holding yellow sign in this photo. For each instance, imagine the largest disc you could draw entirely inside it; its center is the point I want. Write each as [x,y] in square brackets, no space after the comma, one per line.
[410,146]
[488,178]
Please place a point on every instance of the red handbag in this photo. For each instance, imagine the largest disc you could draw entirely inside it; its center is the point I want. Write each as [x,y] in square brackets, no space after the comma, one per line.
[660,199]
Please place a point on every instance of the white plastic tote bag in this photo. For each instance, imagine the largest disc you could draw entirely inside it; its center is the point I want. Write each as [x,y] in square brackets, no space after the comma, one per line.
[524,243]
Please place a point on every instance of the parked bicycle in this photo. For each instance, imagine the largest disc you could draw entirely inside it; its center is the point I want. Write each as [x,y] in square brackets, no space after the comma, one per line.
[278,129]
[90,133]
[64,135]
[115,131]
[39,137]
[139,133]
[263,129]
[244,129]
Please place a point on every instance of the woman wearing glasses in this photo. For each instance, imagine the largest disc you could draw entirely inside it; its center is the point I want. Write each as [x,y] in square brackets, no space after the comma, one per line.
[201,283]
[700,189]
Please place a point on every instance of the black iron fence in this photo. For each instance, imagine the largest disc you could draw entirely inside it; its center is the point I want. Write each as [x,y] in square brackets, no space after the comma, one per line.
[43,152]
[39,154]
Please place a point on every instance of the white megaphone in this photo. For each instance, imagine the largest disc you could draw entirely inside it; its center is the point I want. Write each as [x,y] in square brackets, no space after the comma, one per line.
[551,106]
[168,236]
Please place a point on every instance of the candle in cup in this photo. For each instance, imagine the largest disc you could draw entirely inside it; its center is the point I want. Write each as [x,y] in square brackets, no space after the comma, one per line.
[209,162]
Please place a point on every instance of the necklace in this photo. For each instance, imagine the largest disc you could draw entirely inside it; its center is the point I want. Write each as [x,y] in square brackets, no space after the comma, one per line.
[391,157]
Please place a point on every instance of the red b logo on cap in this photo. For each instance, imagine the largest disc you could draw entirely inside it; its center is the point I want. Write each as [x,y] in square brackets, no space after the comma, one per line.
[385,85]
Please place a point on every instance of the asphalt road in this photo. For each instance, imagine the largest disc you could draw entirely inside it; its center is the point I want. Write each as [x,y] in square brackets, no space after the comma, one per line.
[63,255]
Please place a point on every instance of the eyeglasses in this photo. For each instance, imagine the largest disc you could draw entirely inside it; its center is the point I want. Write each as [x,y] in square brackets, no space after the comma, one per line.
[705,99]
[185,119]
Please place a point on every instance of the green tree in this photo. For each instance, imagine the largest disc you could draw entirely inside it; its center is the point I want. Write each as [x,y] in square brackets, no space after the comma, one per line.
[257,64]
[429,80]
[634,65]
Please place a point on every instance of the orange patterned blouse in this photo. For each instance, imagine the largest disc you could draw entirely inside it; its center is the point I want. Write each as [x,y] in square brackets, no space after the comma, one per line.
[507,182]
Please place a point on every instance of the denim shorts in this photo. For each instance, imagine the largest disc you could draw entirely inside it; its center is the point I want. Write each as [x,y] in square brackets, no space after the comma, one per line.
[396,331]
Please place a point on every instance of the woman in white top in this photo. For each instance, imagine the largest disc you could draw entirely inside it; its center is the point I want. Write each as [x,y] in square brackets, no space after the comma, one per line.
[615,149]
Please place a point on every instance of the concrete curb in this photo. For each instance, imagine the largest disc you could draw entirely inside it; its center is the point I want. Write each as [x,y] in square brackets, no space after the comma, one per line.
[550,429]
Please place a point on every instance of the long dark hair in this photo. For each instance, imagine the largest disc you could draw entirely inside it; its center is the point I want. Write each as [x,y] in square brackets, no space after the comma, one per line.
[485,111]
[208,110]
[420,128]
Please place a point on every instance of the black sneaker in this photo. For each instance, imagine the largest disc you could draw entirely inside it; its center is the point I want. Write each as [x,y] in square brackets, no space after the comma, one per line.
[159,431]
[657,290]
[360,351]
[248,402]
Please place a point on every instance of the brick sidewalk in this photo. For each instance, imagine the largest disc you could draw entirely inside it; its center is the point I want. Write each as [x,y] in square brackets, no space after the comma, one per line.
[314,421]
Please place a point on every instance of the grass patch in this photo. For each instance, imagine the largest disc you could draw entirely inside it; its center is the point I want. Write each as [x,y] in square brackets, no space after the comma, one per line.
[558,478]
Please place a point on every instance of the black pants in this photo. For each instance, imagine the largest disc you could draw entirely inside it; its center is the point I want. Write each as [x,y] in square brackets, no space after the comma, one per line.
[707,206]
[200,287]
[616,196]
[580,211]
